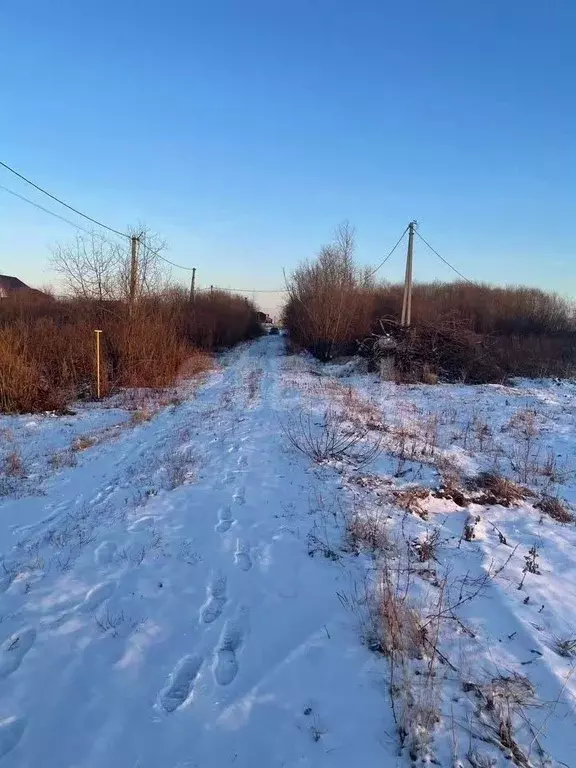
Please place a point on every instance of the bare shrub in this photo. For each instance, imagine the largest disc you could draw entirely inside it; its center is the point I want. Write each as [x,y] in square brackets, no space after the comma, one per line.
[329,439]
[395,625]
[426,547]
[469,332]
[13,465]
[565,646]
[178,468]
[500,706]
[329,301]
[365,531]
[555,508]
[47,345]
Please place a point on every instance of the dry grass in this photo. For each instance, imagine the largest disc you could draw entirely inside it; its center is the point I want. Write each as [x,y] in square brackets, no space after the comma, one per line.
[13,465]
[62,459]
[411,500]
[555,508]
[367,532]
[141,416]
[82,443]
[496,489]
[395,625]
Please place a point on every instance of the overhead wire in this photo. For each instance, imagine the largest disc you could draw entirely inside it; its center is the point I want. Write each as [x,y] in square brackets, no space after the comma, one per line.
[373,272]
[452,267]
[58,200]
[46,210]
[80,213]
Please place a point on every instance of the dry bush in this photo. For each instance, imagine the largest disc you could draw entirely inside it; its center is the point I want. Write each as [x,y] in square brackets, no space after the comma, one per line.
[329,302]
[367,532]
[329,439]
[555,508]
[178,468]
[427,546]
[565,646]
[47,346]
[12,465]
[479,332]
[394,623]
[496,489]
[501,705]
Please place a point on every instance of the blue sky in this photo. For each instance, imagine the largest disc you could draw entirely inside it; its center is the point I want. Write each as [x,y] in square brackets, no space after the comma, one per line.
[245,132]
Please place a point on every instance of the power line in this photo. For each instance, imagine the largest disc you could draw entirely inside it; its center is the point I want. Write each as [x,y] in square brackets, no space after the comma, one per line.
[84,215]
[248,290]
[70,207]
[443,259]
[159,255]
[46,210]
[373,272]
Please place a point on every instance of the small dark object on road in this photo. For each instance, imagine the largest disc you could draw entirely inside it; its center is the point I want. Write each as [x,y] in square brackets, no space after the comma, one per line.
[274,331]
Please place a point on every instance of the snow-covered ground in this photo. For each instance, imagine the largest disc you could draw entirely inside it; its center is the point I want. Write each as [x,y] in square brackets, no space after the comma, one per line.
[191,590]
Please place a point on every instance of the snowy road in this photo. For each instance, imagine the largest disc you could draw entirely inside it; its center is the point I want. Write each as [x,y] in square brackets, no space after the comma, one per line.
[159,607]
[188,590]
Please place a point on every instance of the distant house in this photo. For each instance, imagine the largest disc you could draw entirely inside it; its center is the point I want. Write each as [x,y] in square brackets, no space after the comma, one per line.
[12,286]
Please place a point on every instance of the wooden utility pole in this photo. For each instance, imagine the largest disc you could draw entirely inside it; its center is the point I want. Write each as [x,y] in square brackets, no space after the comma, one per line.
[407,297]
[134,240]
[193,286]
[211,290]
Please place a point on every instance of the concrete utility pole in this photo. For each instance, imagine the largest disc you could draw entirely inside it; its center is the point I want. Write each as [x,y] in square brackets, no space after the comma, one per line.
[134,240]
[407,297]
[193,286]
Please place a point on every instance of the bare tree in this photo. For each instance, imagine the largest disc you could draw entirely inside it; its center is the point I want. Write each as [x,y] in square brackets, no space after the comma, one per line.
[88,267]
[94,267]
[328,298]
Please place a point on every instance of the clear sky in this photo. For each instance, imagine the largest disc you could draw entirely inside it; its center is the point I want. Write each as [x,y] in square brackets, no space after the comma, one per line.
[245,132]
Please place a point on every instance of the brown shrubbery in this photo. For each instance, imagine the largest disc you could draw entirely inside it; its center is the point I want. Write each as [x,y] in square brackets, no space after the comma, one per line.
[47,346]
[461,331]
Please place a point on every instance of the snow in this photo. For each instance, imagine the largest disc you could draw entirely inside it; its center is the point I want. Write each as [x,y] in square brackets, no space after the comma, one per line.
[180,594]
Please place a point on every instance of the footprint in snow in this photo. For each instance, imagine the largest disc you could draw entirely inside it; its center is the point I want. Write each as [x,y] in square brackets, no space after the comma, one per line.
[225,520]
[96,596]
[14,649]
[225,660]
[242,555]
[11,730]
[239,495]
[180,682]
[104,552]
[216,600]
[242,461]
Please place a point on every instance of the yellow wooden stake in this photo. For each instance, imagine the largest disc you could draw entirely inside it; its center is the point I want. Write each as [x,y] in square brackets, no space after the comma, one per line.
[98,363]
